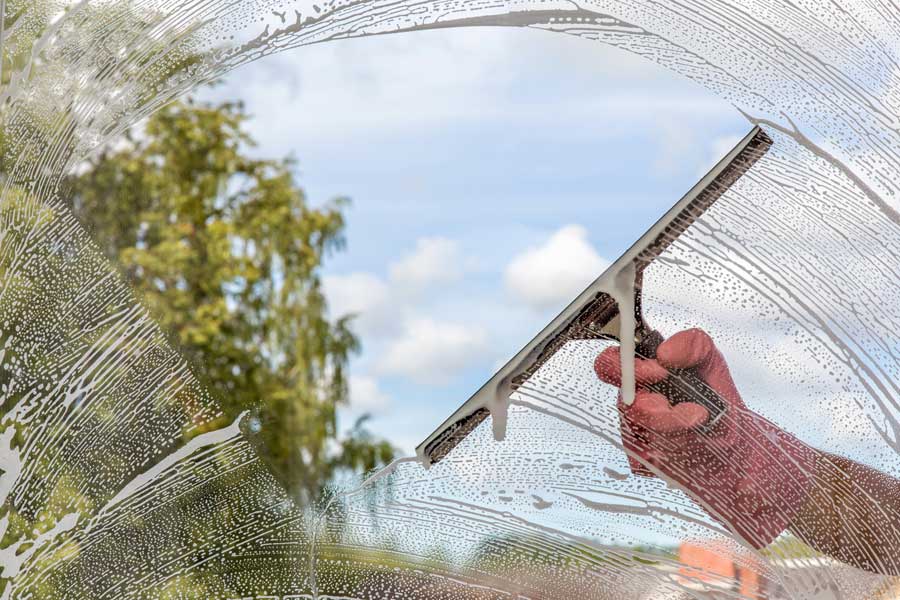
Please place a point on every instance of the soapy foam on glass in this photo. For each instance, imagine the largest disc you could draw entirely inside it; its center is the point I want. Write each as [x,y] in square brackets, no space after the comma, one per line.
[793,272]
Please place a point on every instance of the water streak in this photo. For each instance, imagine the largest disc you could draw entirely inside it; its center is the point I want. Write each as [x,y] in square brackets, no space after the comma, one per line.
[115,459]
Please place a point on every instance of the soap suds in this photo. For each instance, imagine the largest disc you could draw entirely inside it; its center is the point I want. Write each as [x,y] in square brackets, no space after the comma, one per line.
[793,272]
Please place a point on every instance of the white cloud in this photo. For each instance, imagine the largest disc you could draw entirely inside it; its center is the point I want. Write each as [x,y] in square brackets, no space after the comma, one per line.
[432,352]
[552,274]
[435,260]
[366,396]
[361,294]
[379,304]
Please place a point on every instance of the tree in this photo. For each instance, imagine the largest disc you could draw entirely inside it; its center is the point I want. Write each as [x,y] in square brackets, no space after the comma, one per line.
[226,252]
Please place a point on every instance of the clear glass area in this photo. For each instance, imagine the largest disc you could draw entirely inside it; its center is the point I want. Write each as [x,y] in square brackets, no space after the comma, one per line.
[125,472]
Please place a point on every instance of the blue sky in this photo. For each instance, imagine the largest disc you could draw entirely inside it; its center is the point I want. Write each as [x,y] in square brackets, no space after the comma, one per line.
[493,174]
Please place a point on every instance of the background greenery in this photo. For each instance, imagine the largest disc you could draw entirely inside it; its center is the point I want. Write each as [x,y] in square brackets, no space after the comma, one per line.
[226,251]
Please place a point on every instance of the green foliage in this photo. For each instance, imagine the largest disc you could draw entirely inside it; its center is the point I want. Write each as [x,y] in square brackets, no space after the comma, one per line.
[361,452]
[788,547]
[226,251]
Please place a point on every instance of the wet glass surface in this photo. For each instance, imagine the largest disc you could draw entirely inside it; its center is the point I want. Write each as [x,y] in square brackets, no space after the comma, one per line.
[122,475]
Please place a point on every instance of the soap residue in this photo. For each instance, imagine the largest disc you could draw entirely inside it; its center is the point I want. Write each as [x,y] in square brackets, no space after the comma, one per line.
[793,272]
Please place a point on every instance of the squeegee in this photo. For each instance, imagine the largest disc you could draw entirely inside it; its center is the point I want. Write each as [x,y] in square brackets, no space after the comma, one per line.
[595,314]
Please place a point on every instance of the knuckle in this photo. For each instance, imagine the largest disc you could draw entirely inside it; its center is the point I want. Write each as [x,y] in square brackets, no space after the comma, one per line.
[699,335]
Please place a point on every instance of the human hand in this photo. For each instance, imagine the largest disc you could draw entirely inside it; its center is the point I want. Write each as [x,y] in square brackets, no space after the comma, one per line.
[748,473]
[654,427]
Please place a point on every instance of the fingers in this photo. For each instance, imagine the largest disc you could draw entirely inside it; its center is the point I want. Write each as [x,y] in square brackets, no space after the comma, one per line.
[686,349]
[693,348]
[608,367]
[652,411]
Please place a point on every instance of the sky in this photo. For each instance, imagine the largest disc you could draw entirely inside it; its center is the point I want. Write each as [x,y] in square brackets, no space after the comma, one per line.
[493,173]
